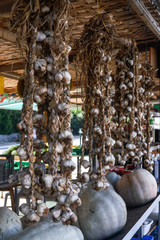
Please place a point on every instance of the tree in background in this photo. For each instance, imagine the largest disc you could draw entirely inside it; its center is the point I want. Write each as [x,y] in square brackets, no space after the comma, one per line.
[8,121]
[76,120]
[10,118]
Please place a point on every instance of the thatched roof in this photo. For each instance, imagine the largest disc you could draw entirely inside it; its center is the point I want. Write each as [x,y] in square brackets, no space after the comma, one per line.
[133,18]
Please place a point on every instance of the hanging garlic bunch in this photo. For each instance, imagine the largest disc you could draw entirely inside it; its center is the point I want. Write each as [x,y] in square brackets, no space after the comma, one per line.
[98,98]
[47,83]
[147,84]
[126,81]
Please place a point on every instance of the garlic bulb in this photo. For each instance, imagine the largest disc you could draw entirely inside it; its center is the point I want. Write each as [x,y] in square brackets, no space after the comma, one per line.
[58,77]
[85,164]
[69,164]
[95,111]
[40,65]
[27,181]
[59,147]
[47,181]
[42,209]
[33,217]
[67,77]
[66,135]
[24,208]
[41,36]
[45,9]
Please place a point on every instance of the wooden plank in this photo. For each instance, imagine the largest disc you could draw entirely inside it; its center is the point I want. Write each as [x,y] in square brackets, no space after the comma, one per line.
[5,6]
[7,35]
[12,67]
[153,59]
[145,15]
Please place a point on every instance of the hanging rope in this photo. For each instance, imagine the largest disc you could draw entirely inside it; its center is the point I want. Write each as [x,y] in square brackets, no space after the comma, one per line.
[98,6]
[146,60]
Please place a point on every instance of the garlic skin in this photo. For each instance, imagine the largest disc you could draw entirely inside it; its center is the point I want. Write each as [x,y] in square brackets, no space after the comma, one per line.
[131,146]
[33,217]
[59,147]
[85,177]
[130,61]
[123,86]
[95,111]
[66,135]
[97,130]
[85,164]
[56,213]
[27,181]
[24,208]
[22,153]
[42,209]
[66,76]
[58,77]
[47,181]
[45,9]
[40,37]
[40,65]
[70,165]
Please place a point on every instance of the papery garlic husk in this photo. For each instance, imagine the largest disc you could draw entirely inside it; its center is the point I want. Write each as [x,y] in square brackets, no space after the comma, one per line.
[63,106]
[61,199]
[73,199]
[130,146]
[59,147]
[123,86]
[38,144]
[110,141]
[130,61]
[13,178]
[119,143]
[25,208]
[47,181]
[95,111]
[39,118]
[68,216]
[56,213]
[40,37]
[85,177]
[40,65]
[97,130]
[37,99]
[45,9]
[27,181]
[58,77]
[133,134]
[85,164]
[66,135]
[42,209]
[69,164]
[66,76]
[22,153]
[33,217]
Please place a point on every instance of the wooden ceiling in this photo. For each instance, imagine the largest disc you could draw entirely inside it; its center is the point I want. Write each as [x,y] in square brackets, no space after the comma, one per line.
[133,18]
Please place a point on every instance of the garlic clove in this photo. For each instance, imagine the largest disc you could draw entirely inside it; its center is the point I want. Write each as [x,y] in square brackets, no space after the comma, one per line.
[58,77]
[40,37]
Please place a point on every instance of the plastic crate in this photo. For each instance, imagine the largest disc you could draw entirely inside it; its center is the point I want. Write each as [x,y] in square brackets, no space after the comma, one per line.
[144,238]
[6,167]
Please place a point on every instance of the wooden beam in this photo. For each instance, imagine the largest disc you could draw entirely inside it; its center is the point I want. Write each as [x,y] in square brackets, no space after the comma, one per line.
[5,6]
[145,15]
[11,75]
[12,67]
[7,35]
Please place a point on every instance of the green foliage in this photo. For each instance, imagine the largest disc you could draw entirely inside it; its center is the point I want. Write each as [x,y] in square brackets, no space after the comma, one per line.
[76,120]
[8,121]
[10,118]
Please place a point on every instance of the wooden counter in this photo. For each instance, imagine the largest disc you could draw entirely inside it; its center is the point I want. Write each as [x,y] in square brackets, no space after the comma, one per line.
[135,218]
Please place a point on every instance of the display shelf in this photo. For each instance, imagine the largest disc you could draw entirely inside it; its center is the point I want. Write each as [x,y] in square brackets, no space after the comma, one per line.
[135,219]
